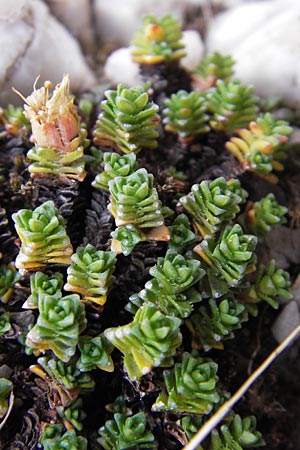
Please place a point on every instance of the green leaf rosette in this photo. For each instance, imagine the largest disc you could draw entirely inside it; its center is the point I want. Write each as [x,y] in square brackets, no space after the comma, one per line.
[150,340]
[232,105]
[212,204]
[135,201]
[95,353]
[128,121]
[231,256]
[58,325]
[91,273]
[43,237]
[158,41]
[191,387]
[41,283]
[115,165]
[124,433]
[185,115]
[8,278]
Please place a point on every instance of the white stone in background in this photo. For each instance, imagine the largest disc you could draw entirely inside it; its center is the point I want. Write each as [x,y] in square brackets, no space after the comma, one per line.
[194,47]
[34,43]
[287,321]
[77,17]
[119,68]
[264,39]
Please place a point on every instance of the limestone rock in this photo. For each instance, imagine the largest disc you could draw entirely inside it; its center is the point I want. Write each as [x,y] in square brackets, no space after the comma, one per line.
[264,39]
[34,43]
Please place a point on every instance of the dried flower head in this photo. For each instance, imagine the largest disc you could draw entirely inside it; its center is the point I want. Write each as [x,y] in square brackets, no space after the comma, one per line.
[56,131]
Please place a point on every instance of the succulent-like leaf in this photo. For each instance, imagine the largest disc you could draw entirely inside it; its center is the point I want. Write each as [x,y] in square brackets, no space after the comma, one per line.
[239,435]
[8,278]
[128,121]
[231,256]
[115,165]
[126,237]
[15,121]
[95,353]
[91,273]
[150,340]
[215,321]
[43,237]
[73,415]
[158,40]
[191,424]
[185,115]
[213,204]
[5,325]
[6,387]
[124,433]
[262,216]
[67,374]
[173,275]
[216,66]
[271,284]
[40,283]
[58,325]
[53,439]
[257,146]
[135,201]
[181,236]
[191,386]
[232,104]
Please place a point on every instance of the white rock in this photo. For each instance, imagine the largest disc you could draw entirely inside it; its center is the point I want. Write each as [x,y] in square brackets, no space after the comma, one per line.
[287,321]
[119,68]
[194,47]
[77,17]
[264,40]
[34,43]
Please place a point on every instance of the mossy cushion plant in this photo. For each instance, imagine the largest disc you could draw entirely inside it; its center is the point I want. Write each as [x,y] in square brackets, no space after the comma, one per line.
[40,283]
[191,386]
[8,278]
[169,289]
[259,147]
[91,273]
[126,432]
[128,121]
[58,325]
[133,307]
[150,340]
[43,237]
[115,165]
[232,105]
[214,321]
[158,41]
[214,66]
[212,204]
[186,115]
[262,216]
